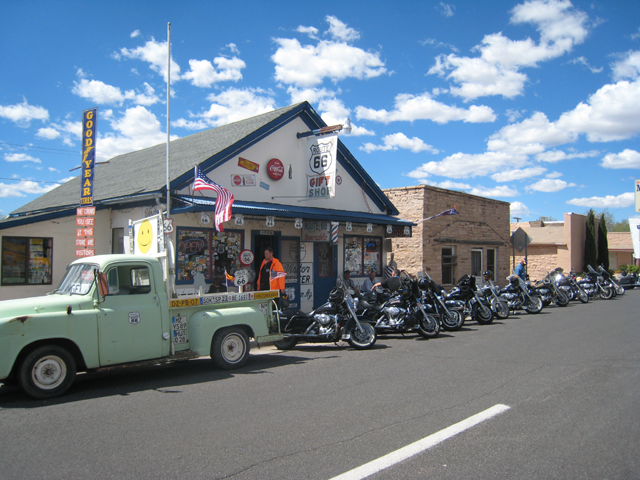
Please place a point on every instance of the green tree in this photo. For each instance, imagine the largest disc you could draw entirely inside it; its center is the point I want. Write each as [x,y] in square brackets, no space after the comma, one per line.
[590,252]
[603,244]
[621,226]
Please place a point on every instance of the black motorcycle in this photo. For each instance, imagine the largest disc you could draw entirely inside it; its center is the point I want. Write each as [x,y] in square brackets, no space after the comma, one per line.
[334,321]
[520,296]
[450,313]
[491,292]
[400,312]
[476,306]
[549,291]
[628,281]
[568,284]
[611,281]
[595,285]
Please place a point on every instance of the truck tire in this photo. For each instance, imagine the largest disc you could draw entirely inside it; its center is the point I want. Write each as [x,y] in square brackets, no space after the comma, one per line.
[230,348]
[47,372]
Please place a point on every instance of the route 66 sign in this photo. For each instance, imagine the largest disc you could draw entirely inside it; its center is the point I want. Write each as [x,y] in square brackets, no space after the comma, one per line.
[271,221]
[369,227]
[239,219]
[246,257]
[241,278]
[348,226]
[204,218]
[298,223]
[389,229]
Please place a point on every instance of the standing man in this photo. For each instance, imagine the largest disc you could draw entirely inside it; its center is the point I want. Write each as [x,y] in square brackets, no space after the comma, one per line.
[520,270]
[271,276]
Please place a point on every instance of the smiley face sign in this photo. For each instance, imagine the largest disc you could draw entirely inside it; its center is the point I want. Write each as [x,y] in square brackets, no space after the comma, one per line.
[146,237]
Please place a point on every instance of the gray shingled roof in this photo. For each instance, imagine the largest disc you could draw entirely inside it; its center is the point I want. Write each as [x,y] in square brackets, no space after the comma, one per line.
[144,171]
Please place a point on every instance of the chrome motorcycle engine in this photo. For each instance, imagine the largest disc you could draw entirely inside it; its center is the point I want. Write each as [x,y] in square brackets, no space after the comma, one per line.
[394,314]
[326,323]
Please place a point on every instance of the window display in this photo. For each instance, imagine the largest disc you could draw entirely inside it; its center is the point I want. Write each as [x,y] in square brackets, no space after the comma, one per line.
[363,255]
[27,261]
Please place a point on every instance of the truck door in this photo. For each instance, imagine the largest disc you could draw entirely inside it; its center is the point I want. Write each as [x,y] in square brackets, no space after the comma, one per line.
[130,319]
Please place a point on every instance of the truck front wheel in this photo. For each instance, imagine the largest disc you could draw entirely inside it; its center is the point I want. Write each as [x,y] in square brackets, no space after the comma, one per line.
[47,372]
[230,348]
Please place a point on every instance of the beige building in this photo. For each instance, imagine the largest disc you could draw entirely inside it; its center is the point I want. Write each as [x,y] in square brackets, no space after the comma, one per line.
[449,246]
[561,244]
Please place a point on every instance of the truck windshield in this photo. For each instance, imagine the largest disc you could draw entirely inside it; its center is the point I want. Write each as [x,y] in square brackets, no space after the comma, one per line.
[78,280]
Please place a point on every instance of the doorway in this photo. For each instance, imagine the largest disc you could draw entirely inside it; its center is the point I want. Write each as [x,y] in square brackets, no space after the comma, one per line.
[260,240]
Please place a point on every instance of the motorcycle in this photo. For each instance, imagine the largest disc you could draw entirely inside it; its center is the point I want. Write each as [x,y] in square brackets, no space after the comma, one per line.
[520,296]
[450,313]
[611,281]
[594,284]
[476,306]
[549,291]
[334,321]
[628,281]
[491,292]
[402,312]
[568,284]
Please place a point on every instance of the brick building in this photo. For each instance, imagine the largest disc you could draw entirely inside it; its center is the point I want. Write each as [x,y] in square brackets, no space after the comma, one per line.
[447,247]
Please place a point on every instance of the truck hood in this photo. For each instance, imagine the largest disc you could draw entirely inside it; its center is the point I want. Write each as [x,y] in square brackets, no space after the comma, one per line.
[26,307]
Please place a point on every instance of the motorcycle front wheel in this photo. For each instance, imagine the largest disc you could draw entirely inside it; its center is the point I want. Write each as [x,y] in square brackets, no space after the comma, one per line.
[534,305]
[452,320]
[562,300]
[583,296]
[482,314]
[606,292]
[500,308]
[429,327]
[364,337]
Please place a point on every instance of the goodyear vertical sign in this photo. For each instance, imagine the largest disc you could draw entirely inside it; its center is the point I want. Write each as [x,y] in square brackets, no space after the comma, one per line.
[89,122]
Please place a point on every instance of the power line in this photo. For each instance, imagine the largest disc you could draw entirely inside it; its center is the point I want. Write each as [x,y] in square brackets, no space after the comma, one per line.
[47,149]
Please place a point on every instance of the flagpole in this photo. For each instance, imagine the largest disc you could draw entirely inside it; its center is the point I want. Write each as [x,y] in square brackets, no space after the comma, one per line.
[168,112]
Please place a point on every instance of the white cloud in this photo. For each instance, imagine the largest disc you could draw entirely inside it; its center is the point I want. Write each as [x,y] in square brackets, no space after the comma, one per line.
[399,141]
[549,185]
[423,107]
[233,47]
[495,71]
[23,188]
[626,159]
[308,65]
[553,156]
[339,30]
[47,133]
[518,174]
[492,192]
[20,157]
[519,209]
[610,201]
[138,128]
[23,113]
[628,67]
[448,184]
[234,104]
[446,9]
[583,61]
[463,165]
[135,33]
[154,53]
[609,114]
[98,92]
[204,74]
[312,32]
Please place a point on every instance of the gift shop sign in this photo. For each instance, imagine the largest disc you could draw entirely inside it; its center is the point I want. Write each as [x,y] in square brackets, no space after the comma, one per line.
[321,166]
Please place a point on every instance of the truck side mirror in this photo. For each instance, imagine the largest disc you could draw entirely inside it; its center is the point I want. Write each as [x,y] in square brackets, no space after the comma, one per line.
[103,284]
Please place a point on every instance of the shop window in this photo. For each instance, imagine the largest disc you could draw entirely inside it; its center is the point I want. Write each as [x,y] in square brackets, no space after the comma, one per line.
[476,262]
[448,265]
[491,262]
[27,261]
[203,251]
[363,255]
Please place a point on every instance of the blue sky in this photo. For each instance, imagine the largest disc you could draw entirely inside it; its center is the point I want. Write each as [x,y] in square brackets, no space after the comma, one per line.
[536,103]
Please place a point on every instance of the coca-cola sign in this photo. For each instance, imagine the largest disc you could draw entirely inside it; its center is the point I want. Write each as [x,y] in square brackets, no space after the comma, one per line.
[275,169]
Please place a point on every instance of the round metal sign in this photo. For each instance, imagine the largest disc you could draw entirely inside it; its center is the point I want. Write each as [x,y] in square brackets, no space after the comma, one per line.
[246,257]
[275,169]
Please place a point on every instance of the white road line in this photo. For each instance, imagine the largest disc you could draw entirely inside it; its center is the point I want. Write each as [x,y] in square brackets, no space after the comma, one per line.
[398,456]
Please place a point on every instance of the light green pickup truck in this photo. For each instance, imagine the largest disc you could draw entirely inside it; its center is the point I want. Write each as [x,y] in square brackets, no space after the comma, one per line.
[114,310]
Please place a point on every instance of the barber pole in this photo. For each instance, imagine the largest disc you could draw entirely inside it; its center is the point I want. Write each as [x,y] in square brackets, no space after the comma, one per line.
[334,232]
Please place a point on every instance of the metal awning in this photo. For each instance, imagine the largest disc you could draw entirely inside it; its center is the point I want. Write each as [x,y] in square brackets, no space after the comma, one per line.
[199,204]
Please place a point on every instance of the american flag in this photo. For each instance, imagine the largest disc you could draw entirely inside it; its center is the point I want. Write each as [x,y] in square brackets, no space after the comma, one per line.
[451,211]
[224,200]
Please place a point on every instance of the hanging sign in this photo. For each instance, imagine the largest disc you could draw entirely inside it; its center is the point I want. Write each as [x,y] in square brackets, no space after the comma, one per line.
[321,166]
[89,121]
[319,231]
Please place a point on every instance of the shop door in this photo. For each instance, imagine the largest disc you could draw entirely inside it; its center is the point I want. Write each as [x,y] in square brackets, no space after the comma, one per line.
[325,258]
[290,258]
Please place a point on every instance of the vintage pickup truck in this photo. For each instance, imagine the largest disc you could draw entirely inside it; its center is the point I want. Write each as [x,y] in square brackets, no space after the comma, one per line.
[114,310]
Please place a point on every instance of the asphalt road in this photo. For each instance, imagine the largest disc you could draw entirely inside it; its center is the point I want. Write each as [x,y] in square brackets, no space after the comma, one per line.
[570,378]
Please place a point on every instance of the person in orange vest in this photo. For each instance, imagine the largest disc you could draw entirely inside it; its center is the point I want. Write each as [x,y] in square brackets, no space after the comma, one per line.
[271,275]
